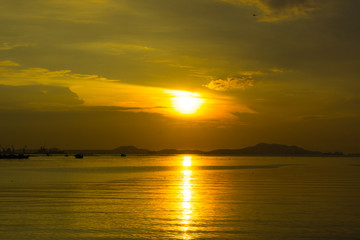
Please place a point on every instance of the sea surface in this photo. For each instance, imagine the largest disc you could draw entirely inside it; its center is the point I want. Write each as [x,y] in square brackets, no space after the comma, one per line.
[179,197]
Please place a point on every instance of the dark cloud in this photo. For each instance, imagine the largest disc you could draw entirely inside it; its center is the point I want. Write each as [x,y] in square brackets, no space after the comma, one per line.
[274,10]
[286,4]
[283,9]
[117,108]
[37,97]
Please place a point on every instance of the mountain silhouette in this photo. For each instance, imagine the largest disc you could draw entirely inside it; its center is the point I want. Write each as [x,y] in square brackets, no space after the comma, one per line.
[130,150]
[261,149]
[264,149]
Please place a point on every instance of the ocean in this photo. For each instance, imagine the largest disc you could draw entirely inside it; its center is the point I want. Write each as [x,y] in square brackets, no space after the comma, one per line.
[180,197]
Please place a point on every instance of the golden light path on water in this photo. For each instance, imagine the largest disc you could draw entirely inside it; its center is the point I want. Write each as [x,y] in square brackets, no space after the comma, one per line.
[186,196]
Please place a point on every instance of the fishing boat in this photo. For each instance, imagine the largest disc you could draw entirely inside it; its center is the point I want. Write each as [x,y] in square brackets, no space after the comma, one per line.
[79,155]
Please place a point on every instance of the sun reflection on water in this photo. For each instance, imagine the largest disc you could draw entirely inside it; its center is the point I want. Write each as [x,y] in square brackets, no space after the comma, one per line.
[186,197]
[187,161]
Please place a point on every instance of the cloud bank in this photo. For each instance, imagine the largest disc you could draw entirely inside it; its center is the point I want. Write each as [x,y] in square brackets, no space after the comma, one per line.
[9,46]
[275,10]
[37,97]
[46,90]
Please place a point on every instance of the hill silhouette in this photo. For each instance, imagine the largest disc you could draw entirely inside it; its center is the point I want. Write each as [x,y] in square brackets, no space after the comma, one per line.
[265,149]
[131,150]
[261,149]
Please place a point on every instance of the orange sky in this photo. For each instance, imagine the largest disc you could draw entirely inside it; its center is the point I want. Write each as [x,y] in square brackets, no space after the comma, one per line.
[197,74]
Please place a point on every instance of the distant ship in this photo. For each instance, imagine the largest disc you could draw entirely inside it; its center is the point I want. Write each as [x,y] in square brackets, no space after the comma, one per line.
[79,155]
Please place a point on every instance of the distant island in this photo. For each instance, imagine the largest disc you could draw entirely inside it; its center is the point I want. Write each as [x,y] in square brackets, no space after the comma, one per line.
[261,149]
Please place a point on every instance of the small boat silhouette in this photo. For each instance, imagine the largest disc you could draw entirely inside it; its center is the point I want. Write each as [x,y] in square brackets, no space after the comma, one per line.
[79,155]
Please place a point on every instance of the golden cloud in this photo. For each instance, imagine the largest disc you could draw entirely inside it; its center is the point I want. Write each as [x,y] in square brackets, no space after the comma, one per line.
[9,46]
[8,63]
[95,91]
[230,83]
[110,48]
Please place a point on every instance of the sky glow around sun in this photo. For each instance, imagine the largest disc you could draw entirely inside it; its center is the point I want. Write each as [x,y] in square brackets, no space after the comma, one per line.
[186,102]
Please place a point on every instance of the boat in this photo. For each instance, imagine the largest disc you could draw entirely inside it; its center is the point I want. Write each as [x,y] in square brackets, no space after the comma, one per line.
[79,155]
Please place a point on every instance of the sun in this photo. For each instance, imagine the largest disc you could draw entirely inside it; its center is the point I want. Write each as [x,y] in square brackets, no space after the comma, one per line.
[186,102]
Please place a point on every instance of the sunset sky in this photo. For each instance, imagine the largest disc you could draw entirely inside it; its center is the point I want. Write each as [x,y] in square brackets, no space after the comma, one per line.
[186,74]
